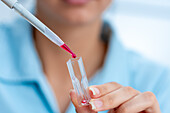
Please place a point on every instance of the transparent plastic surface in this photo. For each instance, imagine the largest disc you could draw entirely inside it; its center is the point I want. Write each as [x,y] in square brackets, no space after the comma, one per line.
[79,80]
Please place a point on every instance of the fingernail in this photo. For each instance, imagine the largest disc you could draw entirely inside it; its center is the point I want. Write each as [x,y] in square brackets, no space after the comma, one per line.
[95,91]
[71,90]
[96,104]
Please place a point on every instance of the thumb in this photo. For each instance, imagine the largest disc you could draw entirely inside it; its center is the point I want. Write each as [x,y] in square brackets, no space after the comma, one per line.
[79,109]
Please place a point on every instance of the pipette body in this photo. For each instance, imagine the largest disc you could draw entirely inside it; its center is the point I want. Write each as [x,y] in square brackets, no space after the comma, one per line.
[14,4]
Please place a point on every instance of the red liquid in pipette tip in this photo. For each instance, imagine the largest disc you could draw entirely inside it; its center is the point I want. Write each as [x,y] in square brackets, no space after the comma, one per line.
[65,47]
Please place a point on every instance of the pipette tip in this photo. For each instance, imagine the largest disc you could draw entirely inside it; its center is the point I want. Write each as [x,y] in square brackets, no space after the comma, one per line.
[65,47]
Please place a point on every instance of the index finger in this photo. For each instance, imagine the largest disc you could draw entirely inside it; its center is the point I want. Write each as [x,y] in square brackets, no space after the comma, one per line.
[100,90]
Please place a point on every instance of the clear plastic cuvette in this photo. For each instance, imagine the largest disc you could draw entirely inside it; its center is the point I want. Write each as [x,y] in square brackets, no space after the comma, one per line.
[79,80]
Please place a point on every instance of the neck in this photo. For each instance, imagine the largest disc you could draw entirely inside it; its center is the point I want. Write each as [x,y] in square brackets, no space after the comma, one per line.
[82,39]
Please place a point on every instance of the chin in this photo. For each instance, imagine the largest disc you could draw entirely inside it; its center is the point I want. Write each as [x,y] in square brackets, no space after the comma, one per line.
[65,13]
[78,18]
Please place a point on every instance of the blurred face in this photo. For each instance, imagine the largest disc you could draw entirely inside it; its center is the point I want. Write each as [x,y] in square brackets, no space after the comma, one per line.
[72,11]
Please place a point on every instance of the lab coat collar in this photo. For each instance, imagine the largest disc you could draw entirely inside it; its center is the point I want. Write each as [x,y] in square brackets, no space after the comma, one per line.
[115,64]
[18,55]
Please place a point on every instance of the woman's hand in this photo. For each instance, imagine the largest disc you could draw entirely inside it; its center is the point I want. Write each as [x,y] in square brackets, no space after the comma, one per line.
[117,99]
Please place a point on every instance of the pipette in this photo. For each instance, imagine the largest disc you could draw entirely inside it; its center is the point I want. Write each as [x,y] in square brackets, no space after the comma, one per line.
[14,4]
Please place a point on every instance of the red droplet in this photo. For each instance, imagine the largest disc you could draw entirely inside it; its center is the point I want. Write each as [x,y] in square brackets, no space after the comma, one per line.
[84,101]
[73,55]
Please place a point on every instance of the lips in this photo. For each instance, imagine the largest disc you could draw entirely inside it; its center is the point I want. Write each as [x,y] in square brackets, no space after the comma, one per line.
[77,2]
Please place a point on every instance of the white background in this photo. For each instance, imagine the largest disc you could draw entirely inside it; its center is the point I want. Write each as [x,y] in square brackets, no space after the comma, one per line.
[143,25]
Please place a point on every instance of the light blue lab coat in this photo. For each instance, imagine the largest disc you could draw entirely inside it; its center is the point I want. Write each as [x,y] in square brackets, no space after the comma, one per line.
[25,89]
